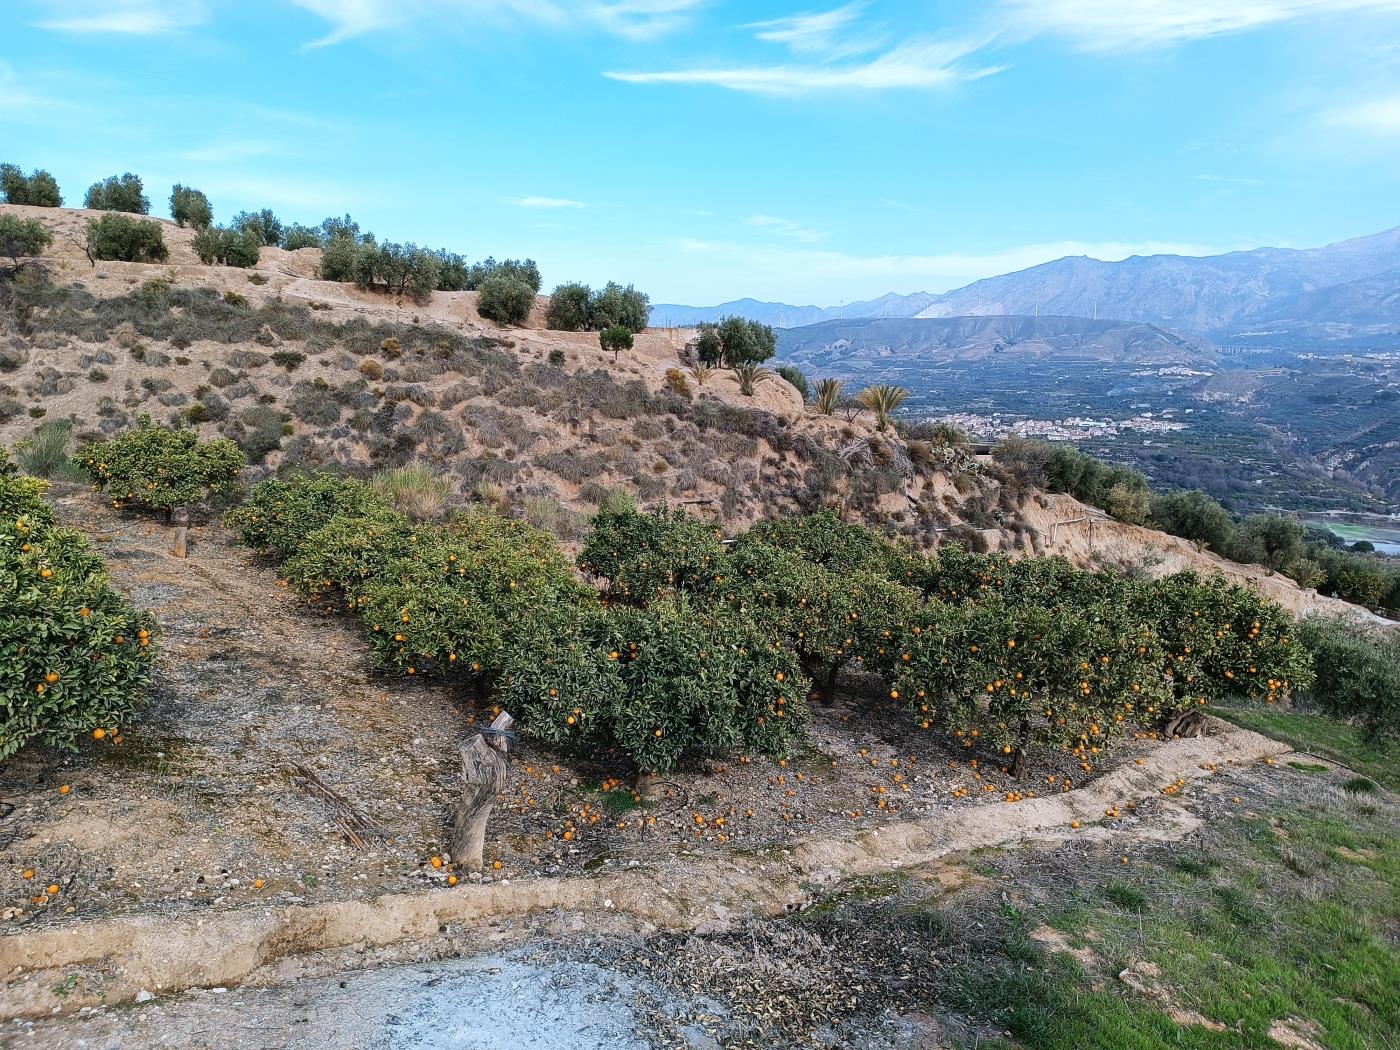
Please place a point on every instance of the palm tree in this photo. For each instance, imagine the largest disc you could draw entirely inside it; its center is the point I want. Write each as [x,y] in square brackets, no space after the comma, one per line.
[701,372]
[749,376]
[883,400]
[826,396]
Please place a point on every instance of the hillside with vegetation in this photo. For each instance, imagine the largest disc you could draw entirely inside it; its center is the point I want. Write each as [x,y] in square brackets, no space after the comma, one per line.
[363,605]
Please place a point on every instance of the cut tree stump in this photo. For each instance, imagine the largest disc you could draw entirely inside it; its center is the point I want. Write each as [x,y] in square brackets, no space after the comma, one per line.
[1188,723]
[180,518]
[483,774]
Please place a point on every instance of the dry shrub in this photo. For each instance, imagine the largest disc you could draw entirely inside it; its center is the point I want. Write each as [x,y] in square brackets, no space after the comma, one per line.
[414,489]
[676,381]
[371,369]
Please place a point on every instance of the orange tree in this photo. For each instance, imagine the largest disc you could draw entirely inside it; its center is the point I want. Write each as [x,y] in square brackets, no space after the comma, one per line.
[1223,642]
[827,541]
[349,551]
[828,618]
[157,467]
[659,684]
[279,514]
[642,556]
[75,656]
[463,595]
[1012,676]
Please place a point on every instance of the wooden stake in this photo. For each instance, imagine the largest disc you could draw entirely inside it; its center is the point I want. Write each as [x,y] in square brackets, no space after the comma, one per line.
[180,518]
[483,778]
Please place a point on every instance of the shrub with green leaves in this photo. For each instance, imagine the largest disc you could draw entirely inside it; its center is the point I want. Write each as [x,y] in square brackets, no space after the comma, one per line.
[614,339]
[121,238]
[118,193]
[75,656]
[22,238]
[38,189]
[568,307]
[162,468]
[660,685]
[217,246]
[280,513]
[264,225]
[505,299]
[641,557]
[616,306]
[190,207]
[1356,673]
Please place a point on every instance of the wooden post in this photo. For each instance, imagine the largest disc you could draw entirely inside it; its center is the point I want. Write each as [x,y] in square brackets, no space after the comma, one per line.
[483,778]
[180,518]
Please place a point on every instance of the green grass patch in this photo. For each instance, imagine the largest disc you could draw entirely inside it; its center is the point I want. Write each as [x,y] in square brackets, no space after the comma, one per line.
[1324,737]
[1289,914]
[1309,767]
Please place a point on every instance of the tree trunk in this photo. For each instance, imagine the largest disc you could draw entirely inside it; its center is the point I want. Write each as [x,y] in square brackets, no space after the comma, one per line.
[483,778]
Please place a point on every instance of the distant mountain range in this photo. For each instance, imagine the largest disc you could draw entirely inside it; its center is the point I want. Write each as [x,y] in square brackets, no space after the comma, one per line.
[1331,293]
[857,347]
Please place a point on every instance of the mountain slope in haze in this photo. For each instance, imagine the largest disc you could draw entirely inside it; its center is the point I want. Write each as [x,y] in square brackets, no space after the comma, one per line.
[1361,314]
[1208,294]
[780,315]
[1202,294]
[854,346]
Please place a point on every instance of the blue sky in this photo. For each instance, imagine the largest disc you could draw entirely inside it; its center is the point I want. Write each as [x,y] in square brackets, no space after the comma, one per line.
[708,150]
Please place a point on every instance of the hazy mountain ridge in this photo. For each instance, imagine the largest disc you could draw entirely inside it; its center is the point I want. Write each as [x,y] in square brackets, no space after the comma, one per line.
[850,347]
[1206,295]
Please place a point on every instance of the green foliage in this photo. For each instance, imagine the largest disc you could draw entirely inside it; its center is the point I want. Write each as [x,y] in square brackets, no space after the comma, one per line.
[796,377]
[660,684]
[641,557]
[22,238]
[279,514]
[119,237]
[883,400]
[227,247]
[153,466]
[1061,468]
[48,452]
[38,189]
[295,236]
[1193,516]
[615,338]
[522,270]
[118,193]
[399,269]
[75,656]
[614,306]
[190,207]
[264,225]
[827,396]
[735,341]
[568,307]
[1269,539]
[1357,674]
[505,299]
[338,259]
[749,376]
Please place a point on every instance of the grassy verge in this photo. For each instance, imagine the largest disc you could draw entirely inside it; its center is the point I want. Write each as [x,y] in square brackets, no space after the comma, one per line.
[1325,737]
[1285,917]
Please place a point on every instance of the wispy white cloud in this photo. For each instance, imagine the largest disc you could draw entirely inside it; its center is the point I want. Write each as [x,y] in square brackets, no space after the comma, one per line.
[643,19]
[129,17]
[787,228]
[1379,117]
[836,33]
[543,202]
[921,63]
[1110,25]
[632,19]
